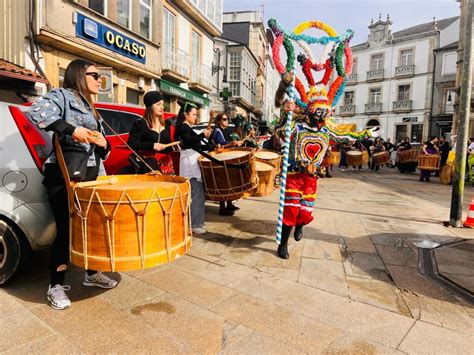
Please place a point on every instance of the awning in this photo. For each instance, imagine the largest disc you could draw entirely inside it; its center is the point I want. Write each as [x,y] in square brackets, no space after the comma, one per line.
[14,71]
[347,127]
[187,95]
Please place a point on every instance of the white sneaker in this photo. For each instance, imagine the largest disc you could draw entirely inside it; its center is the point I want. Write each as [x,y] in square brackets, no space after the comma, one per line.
[199,230]
[57,297]
[99,280]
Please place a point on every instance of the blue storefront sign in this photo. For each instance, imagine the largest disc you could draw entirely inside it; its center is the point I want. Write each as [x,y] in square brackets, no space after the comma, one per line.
[109,38]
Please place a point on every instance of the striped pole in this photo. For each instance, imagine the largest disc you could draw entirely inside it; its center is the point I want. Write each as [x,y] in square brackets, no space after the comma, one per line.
[284,170]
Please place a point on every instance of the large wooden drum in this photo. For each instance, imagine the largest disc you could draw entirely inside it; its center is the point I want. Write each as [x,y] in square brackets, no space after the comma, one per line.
[139,222]
[408,156]
[446,174]
[266,177]
[335,158]
[227,182]
[354,157]
[381,158]
[428,162]
[269,157]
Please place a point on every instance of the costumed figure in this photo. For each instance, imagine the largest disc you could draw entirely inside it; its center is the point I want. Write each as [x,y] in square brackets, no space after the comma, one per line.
[311,128]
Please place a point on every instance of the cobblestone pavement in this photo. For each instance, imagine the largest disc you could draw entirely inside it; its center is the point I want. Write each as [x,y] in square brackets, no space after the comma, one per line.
[352,285]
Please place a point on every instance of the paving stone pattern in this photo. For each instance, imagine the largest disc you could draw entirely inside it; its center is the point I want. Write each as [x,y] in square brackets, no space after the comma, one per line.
[351,286]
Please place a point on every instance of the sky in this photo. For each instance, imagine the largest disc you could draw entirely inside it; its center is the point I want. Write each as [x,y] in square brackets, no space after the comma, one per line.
[344,14]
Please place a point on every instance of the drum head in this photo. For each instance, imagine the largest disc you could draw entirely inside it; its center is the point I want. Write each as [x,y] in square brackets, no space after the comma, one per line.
[354,152]
[227,155]
[267,155]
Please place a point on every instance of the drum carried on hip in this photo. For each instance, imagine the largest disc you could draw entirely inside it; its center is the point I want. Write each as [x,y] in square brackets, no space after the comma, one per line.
[354,157]
[266,176]
[235,177]
[335,158]
[268,156]
[381,158]
[137,222]
[408,156]
[428,162]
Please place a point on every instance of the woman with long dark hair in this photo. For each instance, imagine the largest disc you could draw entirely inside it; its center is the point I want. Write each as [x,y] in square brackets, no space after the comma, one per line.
[191,144]
[149,135]
[69,113]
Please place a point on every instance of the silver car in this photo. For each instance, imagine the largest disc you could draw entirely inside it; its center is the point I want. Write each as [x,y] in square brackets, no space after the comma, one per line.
[26,220]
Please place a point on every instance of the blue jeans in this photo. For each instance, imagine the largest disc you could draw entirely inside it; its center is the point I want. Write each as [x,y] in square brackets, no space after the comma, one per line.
[197,203]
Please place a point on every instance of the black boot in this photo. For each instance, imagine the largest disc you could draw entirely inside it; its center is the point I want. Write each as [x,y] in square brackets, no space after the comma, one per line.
[298,234]
[283,247]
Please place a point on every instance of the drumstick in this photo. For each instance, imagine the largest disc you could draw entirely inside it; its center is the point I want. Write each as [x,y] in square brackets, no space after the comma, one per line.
[111,181]
[171,144]
[211,118]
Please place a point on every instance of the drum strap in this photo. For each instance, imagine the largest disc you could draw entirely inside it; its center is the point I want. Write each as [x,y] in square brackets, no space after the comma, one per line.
[219,162]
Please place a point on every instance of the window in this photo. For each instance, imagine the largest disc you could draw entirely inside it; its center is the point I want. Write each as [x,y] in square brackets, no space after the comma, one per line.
[401,132]
[373,123]
[195,48]
[375,96]
[406,57]
[450,99]
[124,13]
[169,20]
[234,73]
[145,18]
[98,6]
[354,65]
[416,132]
[133,97]
[61,77]
[449,63]
[349,98]
[120,121]
[108,98]
[376,62]
[403,93]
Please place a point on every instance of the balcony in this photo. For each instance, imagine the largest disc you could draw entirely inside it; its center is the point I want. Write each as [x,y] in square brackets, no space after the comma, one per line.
[405,71]
[402,106]
[352,79]
[176,63]
[373,108]
[375,75]
[347,110]
[201,78]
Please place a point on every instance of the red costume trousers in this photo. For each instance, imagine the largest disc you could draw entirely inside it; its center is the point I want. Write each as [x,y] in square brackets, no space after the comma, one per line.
[300,195]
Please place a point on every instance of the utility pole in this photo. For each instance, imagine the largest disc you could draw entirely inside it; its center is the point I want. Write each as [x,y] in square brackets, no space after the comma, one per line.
[463,114]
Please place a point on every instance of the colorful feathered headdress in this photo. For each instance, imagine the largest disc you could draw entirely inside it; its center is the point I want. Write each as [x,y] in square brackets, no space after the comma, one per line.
[336,48]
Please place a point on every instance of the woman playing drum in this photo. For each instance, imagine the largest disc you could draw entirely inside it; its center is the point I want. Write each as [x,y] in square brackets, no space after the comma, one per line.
[222,141]
[150,134]
[430,147]
[69,112]
[192,144]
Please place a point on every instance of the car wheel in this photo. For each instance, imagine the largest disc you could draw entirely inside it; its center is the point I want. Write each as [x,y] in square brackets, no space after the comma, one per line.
[14,251]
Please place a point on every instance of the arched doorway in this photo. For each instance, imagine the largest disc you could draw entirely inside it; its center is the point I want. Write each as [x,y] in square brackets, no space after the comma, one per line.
[372,123]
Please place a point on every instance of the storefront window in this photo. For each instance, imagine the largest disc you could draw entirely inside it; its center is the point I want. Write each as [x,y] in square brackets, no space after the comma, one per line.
[133,97]
[61,76]
[145,18]
[416,133]
[98,6]
[124,12]
[167,103]
[400,132]
[107,97]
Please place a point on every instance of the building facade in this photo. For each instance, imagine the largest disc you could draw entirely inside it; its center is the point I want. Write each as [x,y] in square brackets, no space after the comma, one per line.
[189,28]
[392,79]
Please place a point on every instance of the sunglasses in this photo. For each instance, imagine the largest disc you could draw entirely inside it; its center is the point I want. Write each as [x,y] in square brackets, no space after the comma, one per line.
[95,75]
[224,119]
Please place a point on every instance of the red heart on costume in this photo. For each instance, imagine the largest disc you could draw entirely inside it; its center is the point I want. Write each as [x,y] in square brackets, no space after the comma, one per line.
[312,150]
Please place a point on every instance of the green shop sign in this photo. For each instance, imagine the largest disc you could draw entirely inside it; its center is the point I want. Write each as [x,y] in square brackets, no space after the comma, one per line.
[187,95]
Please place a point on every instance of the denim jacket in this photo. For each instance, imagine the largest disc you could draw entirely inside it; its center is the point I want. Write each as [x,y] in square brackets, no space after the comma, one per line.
[64,104]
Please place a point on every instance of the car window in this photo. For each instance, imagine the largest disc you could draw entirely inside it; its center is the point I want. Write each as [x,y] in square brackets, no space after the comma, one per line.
[120,121]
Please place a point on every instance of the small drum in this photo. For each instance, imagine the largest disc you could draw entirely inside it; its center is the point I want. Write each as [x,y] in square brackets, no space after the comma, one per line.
[428,162]
[381,158]
[139,222]
[335,158]
[269,157]
[229,183]
[266,177]
[408,156]
[446,174]
[354,157]
[365,157]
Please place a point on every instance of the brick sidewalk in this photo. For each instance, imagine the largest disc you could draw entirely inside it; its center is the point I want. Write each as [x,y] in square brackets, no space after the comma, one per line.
[352,285]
